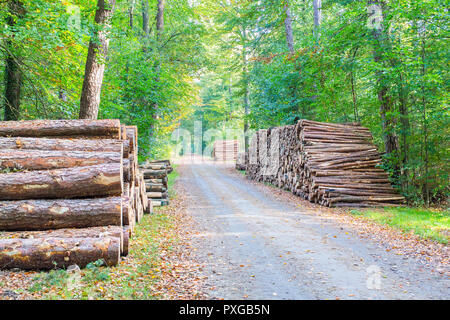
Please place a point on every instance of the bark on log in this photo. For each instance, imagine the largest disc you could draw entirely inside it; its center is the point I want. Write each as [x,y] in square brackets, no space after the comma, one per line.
[47,160]
[98,180]
[155,188]
[94,232]
[46,254]
[58,214]
[126,211]
[60,128]
[102,145]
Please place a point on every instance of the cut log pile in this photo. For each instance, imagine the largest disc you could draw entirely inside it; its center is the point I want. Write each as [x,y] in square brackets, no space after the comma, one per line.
[71,192]
[240,161]
[335,165]
[225,150]
[155,177]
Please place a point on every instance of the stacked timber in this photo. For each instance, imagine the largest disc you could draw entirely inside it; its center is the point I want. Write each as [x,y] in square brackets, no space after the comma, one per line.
[70,192]
[225,150]
[240,161]
[335,165]
[155,178]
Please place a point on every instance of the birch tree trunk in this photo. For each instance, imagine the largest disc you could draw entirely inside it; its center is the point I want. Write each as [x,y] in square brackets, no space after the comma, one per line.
[95,63]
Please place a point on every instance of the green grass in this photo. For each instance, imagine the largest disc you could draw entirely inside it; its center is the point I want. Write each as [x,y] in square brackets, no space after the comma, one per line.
[427,223]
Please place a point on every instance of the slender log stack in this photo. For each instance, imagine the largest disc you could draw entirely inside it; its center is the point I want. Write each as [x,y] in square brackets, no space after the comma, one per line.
[155,178]
[225,150]
[70,192]
[335,165]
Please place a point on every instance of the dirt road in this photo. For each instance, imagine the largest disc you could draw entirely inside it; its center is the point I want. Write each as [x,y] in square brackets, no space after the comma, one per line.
[256,247]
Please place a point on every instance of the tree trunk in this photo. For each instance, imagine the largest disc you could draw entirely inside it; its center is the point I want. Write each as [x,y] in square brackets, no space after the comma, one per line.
[317,4]
[61,128]
[13,73]
[381,44]
[288,27]
[160,19]
[145,18]
[58,214]
[93,181]
[131,6]
[246,85]
[50,253]
[48,160]
[159,33]
[95,63]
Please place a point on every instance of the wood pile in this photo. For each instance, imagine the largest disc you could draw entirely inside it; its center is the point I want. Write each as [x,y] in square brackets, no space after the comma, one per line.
[155,178]
[240,161]
[335,165]
[225,150]
[71,192]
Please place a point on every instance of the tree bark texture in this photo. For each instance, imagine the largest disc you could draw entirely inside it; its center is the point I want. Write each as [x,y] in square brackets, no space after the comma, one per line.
[96,59]
[61,128]
[101,145]
[58,214]
[46,160]
[48,253]
[92,181]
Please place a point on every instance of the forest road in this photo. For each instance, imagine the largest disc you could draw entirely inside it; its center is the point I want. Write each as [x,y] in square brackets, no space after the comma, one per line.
[254,246]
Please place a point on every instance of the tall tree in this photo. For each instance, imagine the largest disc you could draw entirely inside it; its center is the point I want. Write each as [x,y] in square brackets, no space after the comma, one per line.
[145,18]
[13,73]
[288,27]
[160,19]
[95,63]
[131,7]
[317,4]
[380,46]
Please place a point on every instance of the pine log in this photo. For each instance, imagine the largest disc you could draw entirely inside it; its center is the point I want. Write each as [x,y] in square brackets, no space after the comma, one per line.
[155,188]
[45,144]
[60,128]
[157,195]
[154,174]
[98,180]
[47,160]
[57,214]
[93,232]
[126,210]
[48,253]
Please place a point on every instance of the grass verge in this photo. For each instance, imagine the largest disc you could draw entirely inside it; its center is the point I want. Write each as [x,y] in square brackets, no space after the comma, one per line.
[136,277]
[427,223]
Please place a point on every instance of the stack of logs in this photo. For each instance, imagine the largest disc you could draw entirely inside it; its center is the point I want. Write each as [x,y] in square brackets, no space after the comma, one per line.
[155,177]
[225,150]
[240,161]
[335,165]
[70,192]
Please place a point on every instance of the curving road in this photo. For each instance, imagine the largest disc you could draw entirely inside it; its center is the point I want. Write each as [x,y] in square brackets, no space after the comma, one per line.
[257,247]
